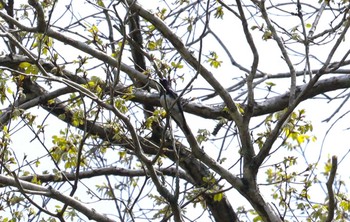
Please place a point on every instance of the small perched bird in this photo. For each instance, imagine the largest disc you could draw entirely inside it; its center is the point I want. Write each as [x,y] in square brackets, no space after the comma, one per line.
[169,100]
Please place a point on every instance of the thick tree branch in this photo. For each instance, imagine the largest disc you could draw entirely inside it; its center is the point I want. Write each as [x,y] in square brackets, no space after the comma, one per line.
[269,105]
[41,23]
[102,103]
[187,55]
[190,164]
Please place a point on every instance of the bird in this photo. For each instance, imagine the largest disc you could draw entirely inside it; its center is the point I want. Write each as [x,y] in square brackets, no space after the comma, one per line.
[170,102]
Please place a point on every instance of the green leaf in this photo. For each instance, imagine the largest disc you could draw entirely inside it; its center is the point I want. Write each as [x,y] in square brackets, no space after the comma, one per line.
[254,27]
[219,13]
[327,167]
[122,154]
[35,180]
[161,13]
[62,116]
[270,83]
[267,35]
[37,163]
[190,27]
[151,45]
[257,219]
[239,108]
[29,68]
[218,197]
[203,135]
[213,60]
[93,29]
[24,65]
[100,3]
[177,65]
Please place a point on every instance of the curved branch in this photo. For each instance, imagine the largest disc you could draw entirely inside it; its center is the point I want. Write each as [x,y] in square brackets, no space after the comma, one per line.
[84,48]
[41,24]
[52,193]
[331,198]
[283,51]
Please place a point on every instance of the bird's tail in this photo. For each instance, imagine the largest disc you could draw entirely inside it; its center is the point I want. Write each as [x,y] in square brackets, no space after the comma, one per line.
[183,125]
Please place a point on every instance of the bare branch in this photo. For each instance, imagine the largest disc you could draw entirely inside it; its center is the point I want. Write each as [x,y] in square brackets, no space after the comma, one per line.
[283,51]
[331,198]
[50,192]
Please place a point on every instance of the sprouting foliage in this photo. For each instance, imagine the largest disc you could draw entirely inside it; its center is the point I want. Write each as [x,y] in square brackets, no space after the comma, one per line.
[213,59]
[81,116]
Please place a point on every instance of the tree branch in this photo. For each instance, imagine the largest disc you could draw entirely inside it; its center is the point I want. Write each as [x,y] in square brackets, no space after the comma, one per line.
[116,171]
[331,198]
[283,51]
[268,105]
[180,47]
[52,193]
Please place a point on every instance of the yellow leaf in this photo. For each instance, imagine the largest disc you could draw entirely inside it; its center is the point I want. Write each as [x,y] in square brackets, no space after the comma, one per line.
[9,90]
[218,197]
[151,45]
[24,65]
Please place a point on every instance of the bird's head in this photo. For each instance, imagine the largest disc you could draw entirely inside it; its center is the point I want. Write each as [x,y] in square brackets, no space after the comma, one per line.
[164,82]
